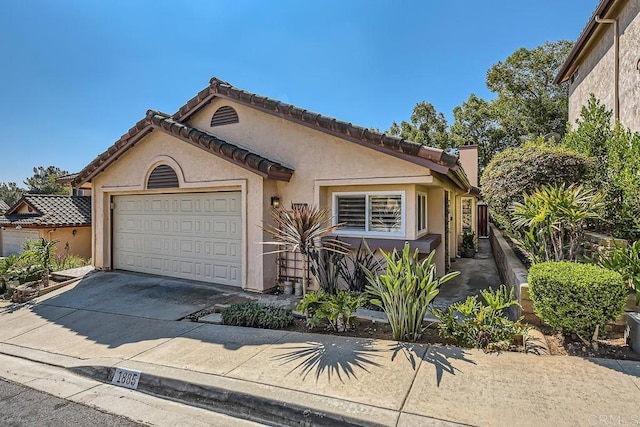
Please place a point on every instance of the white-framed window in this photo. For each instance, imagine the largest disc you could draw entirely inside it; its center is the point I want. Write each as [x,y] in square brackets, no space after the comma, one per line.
[372,213]
[421,212]
[466,210]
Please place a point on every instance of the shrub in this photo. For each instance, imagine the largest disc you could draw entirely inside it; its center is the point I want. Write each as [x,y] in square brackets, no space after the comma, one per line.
[624,259]
[576,298]
[336,309]
[518,171]
[405,290]
[66,262]
[257,315]
[549,224]
[482,324]
[354,267]
[326,267]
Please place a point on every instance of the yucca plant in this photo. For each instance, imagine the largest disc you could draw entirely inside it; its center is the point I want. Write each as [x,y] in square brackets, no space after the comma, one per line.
[40,252]
[301,229]
[405,291]
[550,221]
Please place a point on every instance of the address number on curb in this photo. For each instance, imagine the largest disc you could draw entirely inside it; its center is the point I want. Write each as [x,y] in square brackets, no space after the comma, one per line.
[126,378]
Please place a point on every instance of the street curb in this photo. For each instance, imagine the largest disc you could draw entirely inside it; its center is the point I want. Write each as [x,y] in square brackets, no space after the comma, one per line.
[229,402]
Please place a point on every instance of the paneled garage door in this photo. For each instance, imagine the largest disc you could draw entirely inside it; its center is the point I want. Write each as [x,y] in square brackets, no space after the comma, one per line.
[195,236]
[13,239]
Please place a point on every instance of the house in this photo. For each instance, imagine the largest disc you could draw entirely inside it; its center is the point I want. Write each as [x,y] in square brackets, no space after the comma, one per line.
[82,190]
[605,61]
[3,206]
[52,217]
[185,195]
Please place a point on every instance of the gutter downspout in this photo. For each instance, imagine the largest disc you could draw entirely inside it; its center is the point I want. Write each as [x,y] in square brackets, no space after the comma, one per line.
[616,63]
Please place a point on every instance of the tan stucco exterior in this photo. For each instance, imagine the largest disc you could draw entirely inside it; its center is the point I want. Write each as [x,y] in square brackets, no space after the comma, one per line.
[595,66]
[323,164]
[77,239]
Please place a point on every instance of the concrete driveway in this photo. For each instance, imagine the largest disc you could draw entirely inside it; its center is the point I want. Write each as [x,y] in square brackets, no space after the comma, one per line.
[145,296]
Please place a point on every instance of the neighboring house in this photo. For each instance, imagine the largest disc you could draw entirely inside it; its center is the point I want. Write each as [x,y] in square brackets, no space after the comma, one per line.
[605,61]
[185,195]
[3,206]
[82,190]
[52,217]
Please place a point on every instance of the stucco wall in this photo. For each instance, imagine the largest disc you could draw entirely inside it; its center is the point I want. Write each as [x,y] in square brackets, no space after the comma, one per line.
[596,67]
[197,171]
[79,244]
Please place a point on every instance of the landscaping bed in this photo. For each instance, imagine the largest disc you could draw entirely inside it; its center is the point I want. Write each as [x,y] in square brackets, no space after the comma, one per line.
[613,346]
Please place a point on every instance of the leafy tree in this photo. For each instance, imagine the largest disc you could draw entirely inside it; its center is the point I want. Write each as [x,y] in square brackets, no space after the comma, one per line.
[10,192]
[475,123]
[528,103]
[616,152]
[43,181]
[427,127]
[518,171]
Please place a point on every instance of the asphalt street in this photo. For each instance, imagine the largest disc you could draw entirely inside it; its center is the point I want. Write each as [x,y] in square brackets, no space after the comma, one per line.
[23,406]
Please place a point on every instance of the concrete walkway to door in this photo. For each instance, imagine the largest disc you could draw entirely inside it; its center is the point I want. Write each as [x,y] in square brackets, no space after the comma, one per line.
[476,274]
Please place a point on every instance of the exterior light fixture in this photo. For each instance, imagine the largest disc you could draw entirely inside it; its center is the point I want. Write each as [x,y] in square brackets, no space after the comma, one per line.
[74,232]
[275,202]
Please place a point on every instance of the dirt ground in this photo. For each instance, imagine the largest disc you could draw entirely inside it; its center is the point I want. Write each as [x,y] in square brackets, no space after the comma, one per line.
[613,346]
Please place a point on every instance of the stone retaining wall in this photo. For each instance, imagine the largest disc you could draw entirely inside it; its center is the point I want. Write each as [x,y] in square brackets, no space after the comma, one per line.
[596,242]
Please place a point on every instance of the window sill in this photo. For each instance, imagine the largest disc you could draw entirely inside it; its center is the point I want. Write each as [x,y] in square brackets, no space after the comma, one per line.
[424,244]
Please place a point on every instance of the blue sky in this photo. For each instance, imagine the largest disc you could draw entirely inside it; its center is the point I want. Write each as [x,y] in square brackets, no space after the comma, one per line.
[77,74]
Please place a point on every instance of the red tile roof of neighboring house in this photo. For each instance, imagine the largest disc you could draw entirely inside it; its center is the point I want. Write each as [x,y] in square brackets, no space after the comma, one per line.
[47,210]
[567,69]
[439,161]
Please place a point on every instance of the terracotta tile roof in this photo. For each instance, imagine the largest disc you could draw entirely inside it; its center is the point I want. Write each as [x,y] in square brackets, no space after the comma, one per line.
[49,211]
[567,69]
[64,179]
[156,120]
[3,206]
[439,161]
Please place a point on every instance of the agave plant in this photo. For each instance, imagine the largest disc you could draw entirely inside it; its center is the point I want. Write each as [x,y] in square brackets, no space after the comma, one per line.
[301,230]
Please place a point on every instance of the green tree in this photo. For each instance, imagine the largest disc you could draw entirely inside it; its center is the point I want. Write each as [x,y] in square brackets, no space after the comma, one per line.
[475,123]
[528,103]
[427,127]
[10,192]
[43,181]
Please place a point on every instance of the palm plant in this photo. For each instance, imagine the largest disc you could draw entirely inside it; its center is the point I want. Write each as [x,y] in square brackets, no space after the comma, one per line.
[550,221]
[301,230]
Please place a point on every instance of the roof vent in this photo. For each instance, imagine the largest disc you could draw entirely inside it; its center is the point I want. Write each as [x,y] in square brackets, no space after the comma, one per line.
[224,115]
[163,177]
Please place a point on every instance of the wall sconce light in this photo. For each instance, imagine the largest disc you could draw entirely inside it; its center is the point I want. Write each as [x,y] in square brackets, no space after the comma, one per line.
[275,202]
[74,232]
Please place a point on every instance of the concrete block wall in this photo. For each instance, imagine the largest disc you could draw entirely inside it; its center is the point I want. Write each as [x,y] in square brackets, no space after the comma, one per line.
[512,271]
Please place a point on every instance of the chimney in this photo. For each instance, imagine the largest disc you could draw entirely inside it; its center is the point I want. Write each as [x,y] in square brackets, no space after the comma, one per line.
[468,155]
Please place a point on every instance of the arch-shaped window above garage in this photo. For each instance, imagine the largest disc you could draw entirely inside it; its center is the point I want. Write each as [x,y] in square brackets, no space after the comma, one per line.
[163,176]
[224,115]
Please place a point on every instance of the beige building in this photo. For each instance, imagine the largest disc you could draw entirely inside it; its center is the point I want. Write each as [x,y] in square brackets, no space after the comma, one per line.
[66,219]
[185,195]
[605,61]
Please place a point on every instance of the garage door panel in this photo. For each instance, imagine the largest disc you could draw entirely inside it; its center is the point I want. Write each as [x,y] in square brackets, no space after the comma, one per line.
[13,240]
[191,236]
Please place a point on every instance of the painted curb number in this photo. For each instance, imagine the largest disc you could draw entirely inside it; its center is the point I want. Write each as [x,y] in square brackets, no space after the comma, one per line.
[126,378]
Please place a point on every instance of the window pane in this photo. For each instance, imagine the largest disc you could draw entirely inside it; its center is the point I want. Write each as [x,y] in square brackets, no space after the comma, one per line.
[422,212]
[385,213]
[351,211]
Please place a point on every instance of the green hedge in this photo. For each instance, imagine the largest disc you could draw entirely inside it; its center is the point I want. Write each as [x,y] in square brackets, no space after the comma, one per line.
[518,171]
[575,298]
[257,315]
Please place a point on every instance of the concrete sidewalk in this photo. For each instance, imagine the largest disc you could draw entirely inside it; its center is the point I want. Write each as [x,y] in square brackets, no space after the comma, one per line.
[275,376]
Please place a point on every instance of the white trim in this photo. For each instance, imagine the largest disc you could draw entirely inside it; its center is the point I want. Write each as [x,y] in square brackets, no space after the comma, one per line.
[366,194]
[424,230]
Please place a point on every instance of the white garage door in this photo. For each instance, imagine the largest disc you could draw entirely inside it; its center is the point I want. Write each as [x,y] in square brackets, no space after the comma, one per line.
[13,239]
[195,236]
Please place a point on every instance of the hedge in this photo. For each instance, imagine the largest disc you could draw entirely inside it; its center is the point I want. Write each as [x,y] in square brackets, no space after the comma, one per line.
[575,298]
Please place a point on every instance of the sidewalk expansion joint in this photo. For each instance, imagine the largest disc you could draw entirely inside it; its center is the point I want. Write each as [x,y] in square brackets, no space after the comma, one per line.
[413,380]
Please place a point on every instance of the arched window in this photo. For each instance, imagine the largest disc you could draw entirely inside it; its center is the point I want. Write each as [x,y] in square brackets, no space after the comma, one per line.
[224,115]
[163,177]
